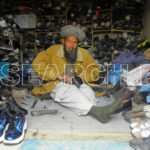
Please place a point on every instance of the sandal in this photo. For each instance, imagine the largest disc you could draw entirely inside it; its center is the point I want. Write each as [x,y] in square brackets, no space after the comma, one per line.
[145,124]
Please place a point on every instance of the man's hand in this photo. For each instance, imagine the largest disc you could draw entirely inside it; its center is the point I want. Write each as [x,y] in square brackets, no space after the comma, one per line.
[66,78]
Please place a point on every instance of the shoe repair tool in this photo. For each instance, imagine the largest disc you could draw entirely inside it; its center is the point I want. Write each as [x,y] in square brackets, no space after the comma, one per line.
[43,112]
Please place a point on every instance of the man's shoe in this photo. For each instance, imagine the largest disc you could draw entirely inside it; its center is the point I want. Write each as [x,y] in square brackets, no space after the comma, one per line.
[3,125]
[123,93]
[16,130]
[124,107]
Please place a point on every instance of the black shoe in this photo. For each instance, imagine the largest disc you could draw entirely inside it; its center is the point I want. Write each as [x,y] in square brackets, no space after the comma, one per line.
[116,88]
[11,104]
[124,107]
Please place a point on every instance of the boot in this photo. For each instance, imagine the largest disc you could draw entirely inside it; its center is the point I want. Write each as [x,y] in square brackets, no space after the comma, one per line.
[103,113]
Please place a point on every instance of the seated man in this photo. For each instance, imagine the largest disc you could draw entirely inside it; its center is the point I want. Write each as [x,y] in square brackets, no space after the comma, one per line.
[67,71]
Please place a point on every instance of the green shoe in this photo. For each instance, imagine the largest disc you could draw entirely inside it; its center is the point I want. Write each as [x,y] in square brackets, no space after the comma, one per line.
[103,113]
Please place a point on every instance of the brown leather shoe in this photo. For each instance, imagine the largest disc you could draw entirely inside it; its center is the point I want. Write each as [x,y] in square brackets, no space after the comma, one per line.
[124,107]
[123,93]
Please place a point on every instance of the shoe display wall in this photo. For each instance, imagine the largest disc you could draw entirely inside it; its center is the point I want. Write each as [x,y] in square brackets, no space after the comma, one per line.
[97,17]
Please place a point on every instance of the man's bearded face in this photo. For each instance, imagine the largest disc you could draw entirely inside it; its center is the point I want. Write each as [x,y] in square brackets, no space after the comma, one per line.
[70,48]
[70,54]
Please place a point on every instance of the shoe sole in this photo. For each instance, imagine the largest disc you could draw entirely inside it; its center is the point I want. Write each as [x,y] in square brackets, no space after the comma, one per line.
[18,140]
[2,137]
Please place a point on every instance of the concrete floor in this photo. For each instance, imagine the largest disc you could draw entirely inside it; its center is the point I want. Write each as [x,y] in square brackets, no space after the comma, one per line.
[67,126]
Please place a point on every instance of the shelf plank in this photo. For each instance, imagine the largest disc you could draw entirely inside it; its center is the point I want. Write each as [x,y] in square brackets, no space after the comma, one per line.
[86,46]
[42,32]
[51,15]
[7,38]
[102,30]
[129,31]
[127,7]
[102,10]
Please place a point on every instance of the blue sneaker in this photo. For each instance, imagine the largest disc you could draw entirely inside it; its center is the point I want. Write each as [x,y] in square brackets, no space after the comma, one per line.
[3,125]
[16,130]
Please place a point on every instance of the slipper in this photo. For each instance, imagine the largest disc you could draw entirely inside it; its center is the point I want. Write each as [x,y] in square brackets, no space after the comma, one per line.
[147,114]
[140,143]
[147,108]
[145,133]
[145,124]
[138,133]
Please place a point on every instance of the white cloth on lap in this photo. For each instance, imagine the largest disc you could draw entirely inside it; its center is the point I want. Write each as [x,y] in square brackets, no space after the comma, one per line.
[78,100]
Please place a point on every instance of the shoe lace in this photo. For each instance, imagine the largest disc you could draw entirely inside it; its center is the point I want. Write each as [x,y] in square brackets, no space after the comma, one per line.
[13,122]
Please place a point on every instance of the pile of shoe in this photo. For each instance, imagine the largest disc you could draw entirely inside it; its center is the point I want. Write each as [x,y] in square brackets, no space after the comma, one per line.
[50,7]
[141,129]
[102,21]
[16,78]
[43,41]
[50,24]
[140,143]
[103,50]
[127,3]
[87,29]
[106,46]
[139,120]
[79,13]
[141,48]
[128,19]
[8,27]
[8,54]
[28,47]
[101,4]
[10,44]
[12,119]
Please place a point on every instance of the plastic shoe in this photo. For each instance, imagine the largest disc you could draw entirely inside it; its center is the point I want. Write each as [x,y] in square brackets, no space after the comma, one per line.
[16,130]
[3,125]
[139,133]
[147,108]
[140,143]
[145,124]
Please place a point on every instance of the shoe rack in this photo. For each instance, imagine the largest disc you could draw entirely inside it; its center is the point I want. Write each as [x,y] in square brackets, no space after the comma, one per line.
[95,22]
[102,20]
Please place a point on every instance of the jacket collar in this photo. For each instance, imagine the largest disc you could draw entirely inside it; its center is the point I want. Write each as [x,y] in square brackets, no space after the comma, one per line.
[60,53]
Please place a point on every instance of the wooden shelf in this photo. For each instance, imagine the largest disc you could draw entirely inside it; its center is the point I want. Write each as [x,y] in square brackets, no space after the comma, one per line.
[129,31]
[7,38]
[54,15]
[127,7]
[86,46]
[81,22]
[102,10]
[43,32]
[102,30]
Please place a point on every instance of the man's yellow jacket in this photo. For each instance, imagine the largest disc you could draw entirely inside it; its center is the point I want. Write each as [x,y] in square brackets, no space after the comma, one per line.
[51,63]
